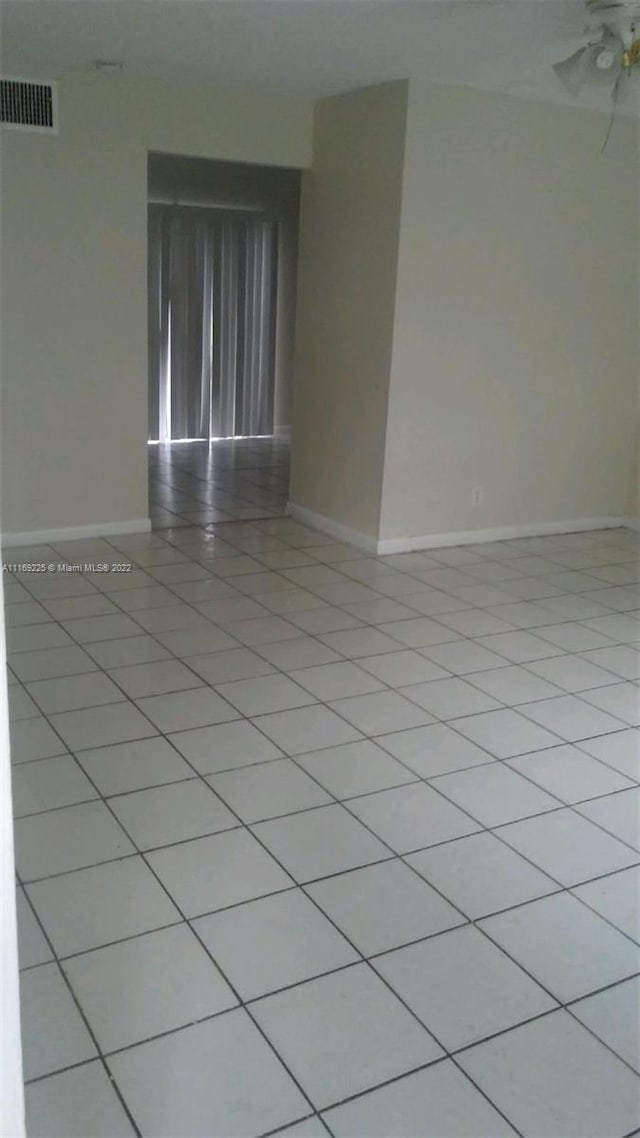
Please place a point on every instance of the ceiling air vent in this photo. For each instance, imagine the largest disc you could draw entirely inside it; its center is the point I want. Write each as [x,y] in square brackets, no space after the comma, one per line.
[28,104]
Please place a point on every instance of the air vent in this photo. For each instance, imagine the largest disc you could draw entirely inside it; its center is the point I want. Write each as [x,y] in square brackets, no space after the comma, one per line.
[28,104]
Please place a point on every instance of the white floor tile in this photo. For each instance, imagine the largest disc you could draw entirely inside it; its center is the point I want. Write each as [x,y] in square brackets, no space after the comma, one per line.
[506,733]
[88,629]
[463,656]
[34,739]
[621,700]
[187,1082]
[224,746]
[567,847]
[34,637]
[421,597]
[51,663]
[32,943]
[132,600]
[309,1128]
[333,681]
[411,817]
[230,664]
[434,750]
[100,726]
[268,790]
[167,814]
[53,1034]
[155,678]
[450,699]
[438,1100]
[262,630]
[320,842]
[262,694]
[514,685]
[66,839]
[420,632]
[400,668]
[356,642]
[547,936]
[624,627]
[48,784]
[180,711]
[273,942]
[519,647]
[95,906]
[200,638]
[478,622]
[131,650]
[623,661]
[384,906]
[481,875]
[122,999]
[210,873]
[355,768]
[21,705]
[462,987]
[620,751]
[80,1103]
[494,794]
[619,814]
[571,718]
[134,766]
[572,673]
[552,1077]
[289,601]
[617,898]
[380,611]
[176,618]
[325,620]
[381,712]
[614,1016]
[306,729]
[572,637]
[344,1033]
[303,652]
[569,774]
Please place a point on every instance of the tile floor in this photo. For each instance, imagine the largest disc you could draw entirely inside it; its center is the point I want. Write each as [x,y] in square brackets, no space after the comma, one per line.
[310,842]
[199,483]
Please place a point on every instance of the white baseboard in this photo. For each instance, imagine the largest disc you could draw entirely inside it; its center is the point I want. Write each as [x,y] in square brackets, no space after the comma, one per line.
[282,432]
[334,529]
[498,533]
[75,533]
[452,537]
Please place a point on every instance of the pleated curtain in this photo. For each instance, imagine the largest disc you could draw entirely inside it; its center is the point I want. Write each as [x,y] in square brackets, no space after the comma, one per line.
[212,301]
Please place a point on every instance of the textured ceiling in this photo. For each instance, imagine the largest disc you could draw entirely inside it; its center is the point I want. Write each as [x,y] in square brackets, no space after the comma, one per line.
[311,47]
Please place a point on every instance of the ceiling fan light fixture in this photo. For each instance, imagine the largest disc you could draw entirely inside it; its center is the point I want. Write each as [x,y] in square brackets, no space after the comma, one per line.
[605,59]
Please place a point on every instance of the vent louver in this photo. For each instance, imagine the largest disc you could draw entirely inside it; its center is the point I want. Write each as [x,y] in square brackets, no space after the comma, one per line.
[28,104]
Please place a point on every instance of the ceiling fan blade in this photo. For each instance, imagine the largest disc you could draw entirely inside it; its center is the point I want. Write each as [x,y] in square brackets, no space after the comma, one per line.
[570,72]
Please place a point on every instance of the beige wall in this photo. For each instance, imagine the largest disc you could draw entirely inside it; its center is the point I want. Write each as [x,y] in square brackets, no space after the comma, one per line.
[73,317]
[349,227]
[515,354]
[267,189]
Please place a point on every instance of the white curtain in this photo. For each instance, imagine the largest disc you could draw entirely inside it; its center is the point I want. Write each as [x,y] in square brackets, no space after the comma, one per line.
[212,300]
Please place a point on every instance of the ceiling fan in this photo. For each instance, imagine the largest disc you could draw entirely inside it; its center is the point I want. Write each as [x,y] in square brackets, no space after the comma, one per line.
[613,52]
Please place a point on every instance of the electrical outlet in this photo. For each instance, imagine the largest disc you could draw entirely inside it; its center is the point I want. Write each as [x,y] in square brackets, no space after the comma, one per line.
[477,496]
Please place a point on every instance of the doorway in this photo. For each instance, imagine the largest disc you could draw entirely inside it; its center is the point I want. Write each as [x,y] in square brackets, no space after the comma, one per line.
[222,282]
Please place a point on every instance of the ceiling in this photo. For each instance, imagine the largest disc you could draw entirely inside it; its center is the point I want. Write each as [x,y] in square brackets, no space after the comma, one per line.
[311,47]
